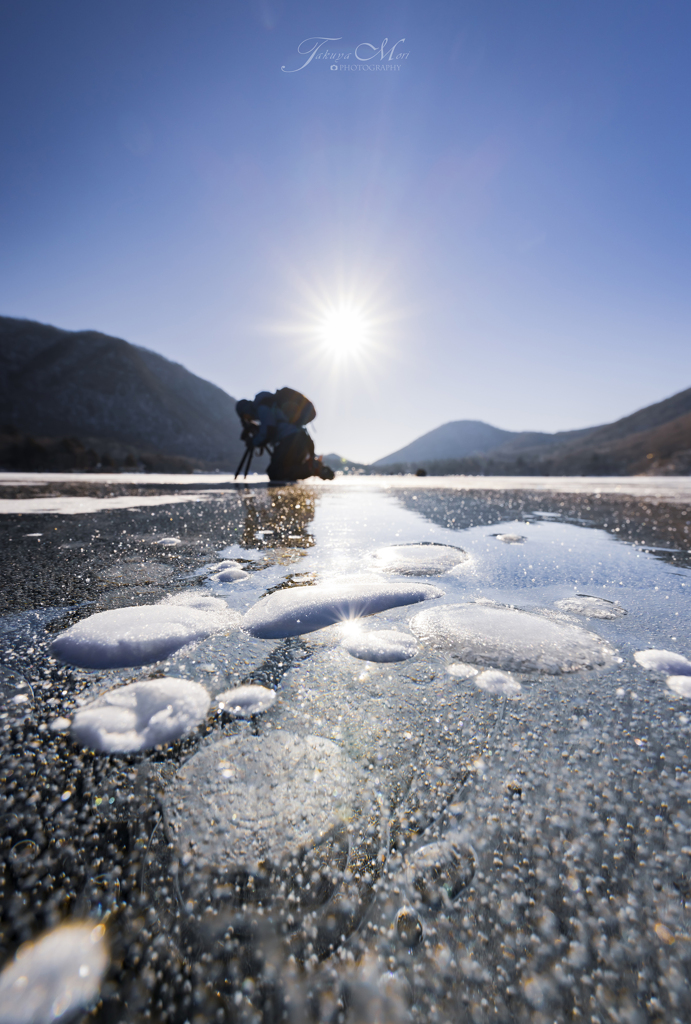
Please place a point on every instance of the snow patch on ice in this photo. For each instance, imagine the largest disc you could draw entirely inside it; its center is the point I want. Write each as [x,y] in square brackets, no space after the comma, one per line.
[54,976]
[125,637]
[508,639]
[664,661]
[245,701]
[510,538]
[591,607]
[380,645]
[493,681]
[425,559]
[303,609]
[141,715]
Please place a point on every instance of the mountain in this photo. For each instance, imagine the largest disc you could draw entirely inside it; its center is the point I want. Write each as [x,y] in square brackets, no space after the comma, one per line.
[463,438]
[656,439]
[62,388]
[450,441]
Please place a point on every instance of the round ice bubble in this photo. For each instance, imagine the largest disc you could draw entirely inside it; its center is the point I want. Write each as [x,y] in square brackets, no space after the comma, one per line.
[664,661]
[141,715]
[508,639]
[123,637]
[246,701]
[380,645]
[230,575]
[496,682]
[459,670]
[591,607]
[425,559]
[248,800]
[437,873]
[680,685]
[55,975]
[304,609]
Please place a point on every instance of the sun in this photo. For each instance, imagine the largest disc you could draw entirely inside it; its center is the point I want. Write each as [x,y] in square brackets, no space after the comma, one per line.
[344,331]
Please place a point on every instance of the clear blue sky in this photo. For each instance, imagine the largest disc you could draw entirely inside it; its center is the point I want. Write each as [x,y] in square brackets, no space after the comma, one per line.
[508,213]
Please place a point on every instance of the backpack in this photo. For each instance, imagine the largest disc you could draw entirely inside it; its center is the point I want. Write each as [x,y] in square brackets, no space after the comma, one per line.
[297,409]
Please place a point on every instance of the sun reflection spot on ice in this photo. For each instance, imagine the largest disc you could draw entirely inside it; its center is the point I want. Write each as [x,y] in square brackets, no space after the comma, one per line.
[351,627]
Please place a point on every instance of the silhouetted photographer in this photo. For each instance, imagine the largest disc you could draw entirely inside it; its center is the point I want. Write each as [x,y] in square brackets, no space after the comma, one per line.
[277,422]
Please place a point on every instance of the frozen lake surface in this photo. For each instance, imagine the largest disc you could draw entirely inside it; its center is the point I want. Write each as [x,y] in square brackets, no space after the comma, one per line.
[452,786]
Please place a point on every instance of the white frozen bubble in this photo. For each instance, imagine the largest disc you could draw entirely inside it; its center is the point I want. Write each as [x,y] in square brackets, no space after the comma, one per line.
[54,976]
[459,670]
[380,645]
[249,799]
[141,715]
[168,542]
[60,724]
[124,637]
[245,701]
[424,559]
[230,575]
[681,685]
[508,639]
[303,609]
[494,681]
[510,538]
[591,607]
[664,661]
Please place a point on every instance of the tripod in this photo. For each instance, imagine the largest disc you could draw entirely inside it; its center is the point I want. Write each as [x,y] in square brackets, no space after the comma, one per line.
[247,458]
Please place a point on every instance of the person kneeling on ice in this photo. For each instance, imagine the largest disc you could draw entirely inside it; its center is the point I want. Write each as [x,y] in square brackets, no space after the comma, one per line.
[277,422]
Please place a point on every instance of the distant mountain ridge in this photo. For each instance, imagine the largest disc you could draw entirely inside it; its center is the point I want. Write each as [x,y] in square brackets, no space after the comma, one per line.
[471,437]
[87,385]
[656,439]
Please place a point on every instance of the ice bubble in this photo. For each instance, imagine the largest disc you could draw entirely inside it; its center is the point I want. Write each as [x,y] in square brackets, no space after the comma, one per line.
[681,685]
[303,609]
[664,661]
[382,645]
[461,671]
[249,799]
[505,638]
[493,681]
[439,872]
[409,927]
[141,715]
[245,701]
[230,575]
[510,538]
[60,724]
[54,976]
[124,637]
[591,607]
[425,559]
[168,542]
